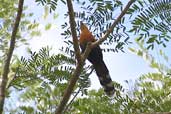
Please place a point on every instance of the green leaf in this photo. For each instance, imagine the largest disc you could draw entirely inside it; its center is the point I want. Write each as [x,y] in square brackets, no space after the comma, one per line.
[48,26]
[151,40]
[140,53]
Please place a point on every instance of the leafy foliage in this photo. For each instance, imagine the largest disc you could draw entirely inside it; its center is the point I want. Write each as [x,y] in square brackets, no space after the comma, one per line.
[5,22]
[42,65]
[7,15]
[43,78]
[99,15]
[51,3]
[150,93]
[150,96]
[151,20]
[154,88]
[163,68]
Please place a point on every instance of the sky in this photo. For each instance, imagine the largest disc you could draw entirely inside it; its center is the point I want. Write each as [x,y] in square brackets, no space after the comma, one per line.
[122,66]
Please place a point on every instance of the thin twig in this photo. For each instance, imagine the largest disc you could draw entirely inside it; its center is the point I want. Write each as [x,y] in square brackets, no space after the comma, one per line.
[9,56]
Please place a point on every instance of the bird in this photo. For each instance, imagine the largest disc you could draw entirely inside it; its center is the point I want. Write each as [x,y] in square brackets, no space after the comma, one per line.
[95,57]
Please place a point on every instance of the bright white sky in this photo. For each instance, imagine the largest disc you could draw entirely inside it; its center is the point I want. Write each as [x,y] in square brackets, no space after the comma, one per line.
[122,66]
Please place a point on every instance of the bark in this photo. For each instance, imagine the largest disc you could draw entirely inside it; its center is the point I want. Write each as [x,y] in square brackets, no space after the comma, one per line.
[5,71]
[79,67]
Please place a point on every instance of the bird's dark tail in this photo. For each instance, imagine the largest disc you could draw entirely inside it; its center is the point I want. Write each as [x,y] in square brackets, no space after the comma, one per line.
[104,77]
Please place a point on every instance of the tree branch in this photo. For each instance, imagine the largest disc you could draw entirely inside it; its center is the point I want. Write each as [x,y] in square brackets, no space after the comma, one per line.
[69,88]
[81,60]
[73,30]
[80,64]
[98,42]
[72,100]
[9,55]
[102,39]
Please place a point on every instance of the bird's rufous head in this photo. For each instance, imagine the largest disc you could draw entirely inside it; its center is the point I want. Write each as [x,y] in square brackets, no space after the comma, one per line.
[83,27]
